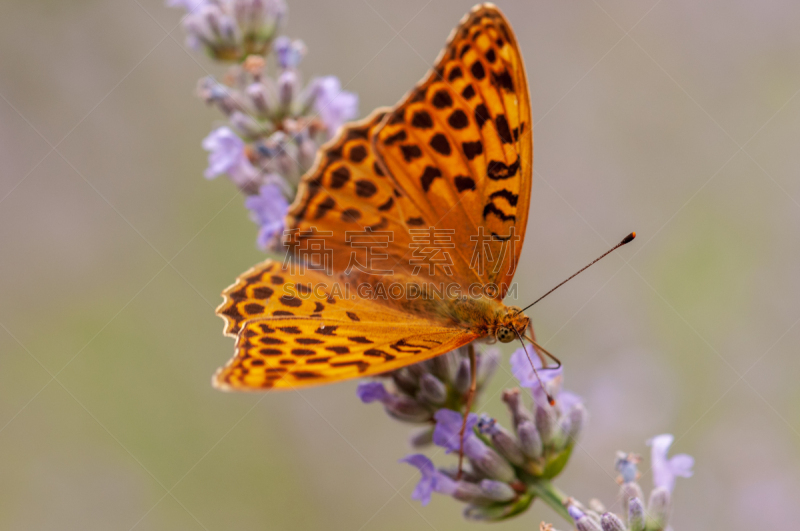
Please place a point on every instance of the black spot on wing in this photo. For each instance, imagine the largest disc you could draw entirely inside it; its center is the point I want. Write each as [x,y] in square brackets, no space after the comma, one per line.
[422,120]
[472,149]
[490,208]
[410,152]
[464,183]
[499,170]
[512,198]
[458,119]
[481,115]
[442,99]
[339,177]
[440,144]
[502,129]
[478,72]
[428,176]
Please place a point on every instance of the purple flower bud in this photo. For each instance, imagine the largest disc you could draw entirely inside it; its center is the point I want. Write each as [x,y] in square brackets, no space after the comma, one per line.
[369,392]
[502,440]
[659,505]
[405,381]
[583,521]
[421,438]
[488,362]
[245,124]
[268,209]
[431,481]
[519,412]
[288,85]
[627,492]
[546,423]
[612,522]
[214,93]
[406,409]
[586,523]
[577,418]
[333,105]
[497,491]
[432,390]
[443,366]
[462,379]
[666,470]
[575,512]
[260,98]
[259,17]
[530,442]
[636,515]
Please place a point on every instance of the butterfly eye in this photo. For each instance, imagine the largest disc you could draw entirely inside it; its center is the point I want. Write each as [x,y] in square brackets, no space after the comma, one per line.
[504,335]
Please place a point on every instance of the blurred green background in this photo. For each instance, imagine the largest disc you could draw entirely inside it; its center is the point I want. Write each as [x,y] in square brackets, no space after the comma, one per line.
[677,119]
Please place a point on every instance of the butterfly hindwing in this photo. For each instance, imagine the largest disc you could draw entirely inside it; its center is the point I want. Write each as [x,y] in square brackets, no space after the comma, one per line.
[294,330]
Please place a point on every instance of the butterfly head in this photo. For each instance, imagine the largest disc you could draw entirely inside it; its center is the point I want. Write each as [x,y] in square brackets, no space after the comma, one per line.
[511,325]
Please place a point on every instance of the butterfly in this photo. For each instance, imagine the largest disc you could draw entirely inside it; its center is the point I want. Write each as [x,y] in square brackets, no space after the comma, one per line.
[450,163]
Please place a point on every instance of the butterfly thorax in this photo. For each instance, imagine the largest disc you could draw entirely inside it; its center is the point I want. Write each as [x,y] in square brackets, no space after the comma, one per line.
[481,315]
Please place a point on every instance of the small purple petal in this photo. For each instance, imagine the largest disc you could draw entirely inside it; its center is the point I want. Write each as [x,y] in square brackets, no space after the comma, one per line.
[372,391]
[334,105]
[681,465]
[568,400]
[666,470]
[268,210]
[447,432]
[574,512]
[226,152]
[551,378]
[521,367]
[431,481]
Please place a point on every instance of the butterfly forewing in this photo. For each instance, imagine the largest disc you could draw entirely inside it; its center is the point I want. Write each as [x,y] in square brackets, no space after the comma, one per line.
[460,146]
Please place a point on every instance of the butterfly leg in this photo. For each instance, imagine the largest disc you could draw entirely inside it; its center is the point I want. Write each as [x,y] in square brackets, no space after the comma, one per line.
[536,347]
[473,385]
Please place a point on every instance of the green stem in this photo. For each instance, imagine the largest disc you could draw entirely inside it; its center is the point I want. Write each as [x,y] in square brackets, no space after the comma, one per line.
[549,494]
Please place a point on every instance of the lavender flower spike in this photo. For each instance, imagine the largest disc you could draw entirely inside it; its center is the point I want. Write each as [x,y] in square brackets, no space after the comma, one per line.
[666,470]
[268,209]
[432,480]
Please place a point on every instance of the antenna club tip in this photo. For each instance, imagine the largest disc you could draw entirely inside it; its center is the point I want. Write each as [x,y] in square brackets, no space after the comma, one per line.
[629,238]
[552,401]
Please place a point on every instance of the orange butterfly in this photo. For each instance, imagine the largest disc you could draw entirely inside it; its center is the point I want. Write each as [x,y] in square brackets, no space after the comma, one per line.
[450,164]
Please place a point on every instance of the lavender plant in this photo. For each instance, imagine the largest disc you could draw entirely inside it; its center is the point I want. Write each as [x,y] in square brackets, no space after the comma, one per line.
[274,125]
[274,122]
[509,468]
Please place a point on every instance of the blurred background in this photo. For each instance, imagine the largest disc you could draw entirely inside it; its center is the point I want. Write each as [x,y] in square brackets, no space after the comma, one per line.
[678,119]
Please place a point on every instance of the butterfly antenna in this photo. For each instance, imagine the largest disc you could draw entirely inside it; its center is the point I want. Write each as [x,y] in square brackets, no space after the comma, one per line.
[627,239]
[550,398]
